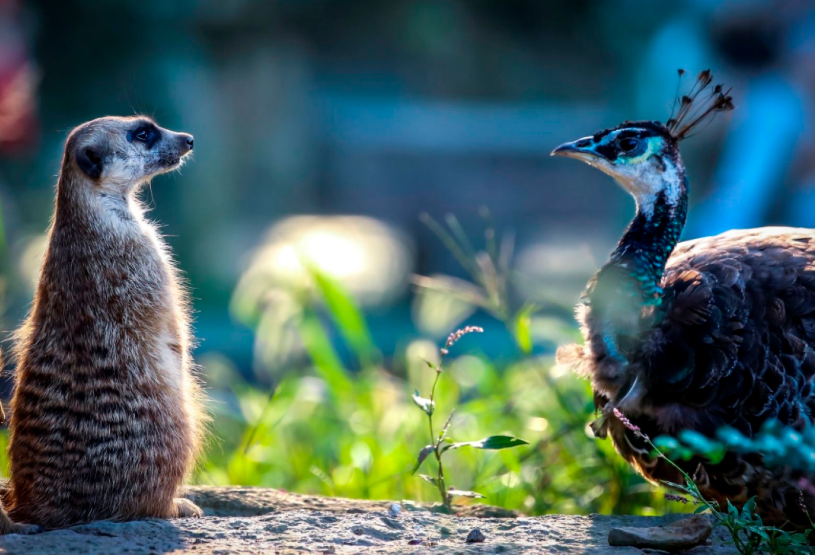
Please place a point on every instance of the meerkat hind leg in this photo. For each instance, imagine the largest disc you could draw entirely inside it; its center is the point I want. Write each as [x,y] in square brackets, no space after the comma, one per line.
[184,508]
[8,526]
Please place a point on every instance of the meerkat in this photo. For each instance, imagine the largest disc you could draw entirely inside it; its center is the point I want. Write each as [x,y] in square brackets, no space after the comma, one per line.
[106,415]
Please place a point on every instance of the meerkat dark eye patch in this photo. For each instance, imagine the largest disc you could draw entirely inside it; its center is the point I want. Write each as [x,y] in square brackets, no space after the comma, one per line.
[90,162]
[147,134]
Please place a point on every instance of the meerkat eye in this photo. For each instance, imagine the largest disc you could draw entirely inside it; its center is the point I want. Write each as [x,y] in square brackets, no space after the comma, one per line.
[144,135]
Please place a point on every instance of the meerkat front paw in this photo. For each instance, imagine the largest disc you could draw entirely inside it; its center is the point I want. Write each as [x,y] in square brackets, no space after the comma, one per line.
[184,508]
[20,528]
[9,527]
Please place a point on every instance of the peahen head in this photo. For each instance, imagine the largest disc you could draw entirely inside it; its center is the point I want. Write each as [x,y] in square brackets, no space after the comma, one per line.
[643,156]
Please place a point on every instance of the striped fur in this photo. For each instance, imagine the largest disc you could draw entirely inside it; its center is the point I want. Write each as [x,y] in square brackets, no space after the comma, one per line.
[106,415]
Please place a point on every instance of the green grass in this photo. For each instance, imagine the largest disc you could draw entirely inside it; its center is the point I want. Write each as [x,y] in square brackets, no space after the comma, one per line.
[325,428]
[322,426]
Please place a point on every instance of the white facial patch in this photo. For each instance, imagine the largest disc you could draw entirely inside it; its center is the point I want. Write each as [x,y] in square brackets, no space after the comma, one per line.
[644,176]
[122,173]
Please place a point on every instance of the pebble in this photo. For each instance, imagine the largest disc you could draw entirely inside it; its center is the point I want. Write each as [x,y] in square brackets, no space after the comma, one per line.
[677,536]
[394,510]
[475,536]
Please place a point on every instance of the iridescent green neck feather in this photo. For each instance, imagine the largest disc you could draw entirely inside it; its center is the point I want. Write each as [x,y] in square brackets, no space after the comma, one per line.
[649,240]
[630,280]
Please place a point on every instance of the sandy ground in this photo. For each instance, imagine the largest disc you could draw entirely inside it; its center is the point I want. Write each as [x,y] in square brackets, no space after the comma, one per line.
[255,521]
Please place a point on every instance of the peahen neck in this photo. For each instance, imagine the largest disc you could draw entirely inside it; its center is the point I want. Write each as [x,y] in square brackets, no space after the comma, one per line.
[650,238]
[630,280]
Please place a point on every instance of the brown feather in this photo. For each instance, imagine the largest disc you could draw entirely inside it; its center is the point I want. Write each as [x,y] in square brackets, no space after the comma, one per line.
[694,108]
[733,344]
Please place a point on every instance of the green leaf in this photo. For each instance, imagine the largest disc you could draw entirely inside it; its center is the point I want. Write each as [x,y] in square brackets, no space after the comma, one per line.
[732,510]
[666,443]
[702,445]
[492,442]
[521,328]
[426,450]
[686,489]
[430,479]
[346,315]
[674,485]
[460,235]
[749,508]
[446,428]
[325,358]
[449,241]
[429,364]
[425,404]
[463,493]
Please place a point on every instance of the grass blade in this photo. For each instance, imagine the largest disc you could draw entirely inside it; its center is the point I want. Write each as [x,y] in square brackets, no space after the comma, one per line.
[346,315]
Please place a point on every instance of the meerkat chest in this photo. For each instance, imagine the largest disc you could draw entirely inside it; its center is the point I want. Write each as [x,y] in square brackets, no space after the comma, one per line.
[170,340]
[170,355]
[157,305]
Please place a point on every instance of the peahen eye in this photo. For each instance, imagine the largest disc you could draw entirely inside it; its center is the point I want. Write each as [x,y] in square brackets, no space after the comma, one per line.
[628,145]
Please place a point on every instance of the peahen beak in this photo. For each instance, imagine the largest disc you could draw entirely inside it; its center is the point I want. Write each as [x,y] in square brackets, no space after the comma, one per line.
[581,149]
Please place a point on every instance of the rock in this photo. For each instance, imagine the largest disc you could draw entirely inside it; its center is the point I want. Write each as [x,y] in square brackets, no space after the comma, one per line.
[680,535]
[475,536]
[253,520]
[394,510]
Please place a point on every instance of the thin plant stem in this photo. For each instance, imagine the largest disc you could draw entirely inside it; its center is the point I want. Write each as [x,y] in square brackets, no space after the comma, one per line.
[440,482]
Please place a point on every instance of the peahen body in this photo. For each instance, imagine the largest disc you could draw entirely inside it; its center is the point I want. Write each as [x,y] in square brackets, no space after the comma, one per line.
[697,335]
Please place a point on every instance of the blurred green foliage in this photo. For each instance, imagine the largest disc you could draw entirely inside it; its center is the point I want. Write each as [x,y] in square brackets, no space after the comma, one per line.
[343,425]
[779,445]
[340,419]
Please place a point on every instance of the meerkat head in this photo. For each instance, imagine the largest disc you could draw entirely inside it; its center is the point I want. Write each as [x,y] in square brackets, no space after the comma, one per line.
[116,154]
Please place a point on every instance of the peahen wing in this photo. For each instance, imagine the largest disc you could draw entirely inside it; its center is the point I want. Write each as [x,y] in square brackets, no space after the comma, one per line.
[733,342]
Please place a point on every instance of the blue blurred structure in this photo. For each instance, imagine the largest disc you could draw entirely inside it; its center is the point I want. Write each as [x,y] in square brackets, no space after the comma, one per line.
[387,110]
[762,144]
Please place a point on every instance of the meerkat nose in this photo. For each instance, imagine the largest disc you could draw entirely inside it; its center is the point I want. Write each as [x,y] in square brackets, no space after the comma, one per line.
[187,142]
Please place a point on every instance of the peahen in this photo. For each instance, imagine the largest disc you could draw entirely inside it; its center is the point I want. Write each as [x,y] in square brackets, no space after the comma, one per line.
[698,335]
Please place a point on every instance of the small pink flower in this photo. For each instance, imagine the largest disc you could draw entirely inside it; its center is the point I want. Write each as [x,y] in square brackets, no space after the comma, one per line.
[455,336]
[628,424]
[806,486]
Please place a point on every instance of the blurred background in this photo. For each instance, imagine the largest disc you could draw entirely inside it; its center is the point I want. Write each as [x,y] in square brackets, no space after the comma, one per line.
[369,176]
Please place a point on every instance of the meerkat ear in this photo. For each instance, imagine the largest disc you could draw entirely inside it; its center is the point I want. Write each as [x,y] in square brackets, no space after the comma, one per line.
[89,161]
